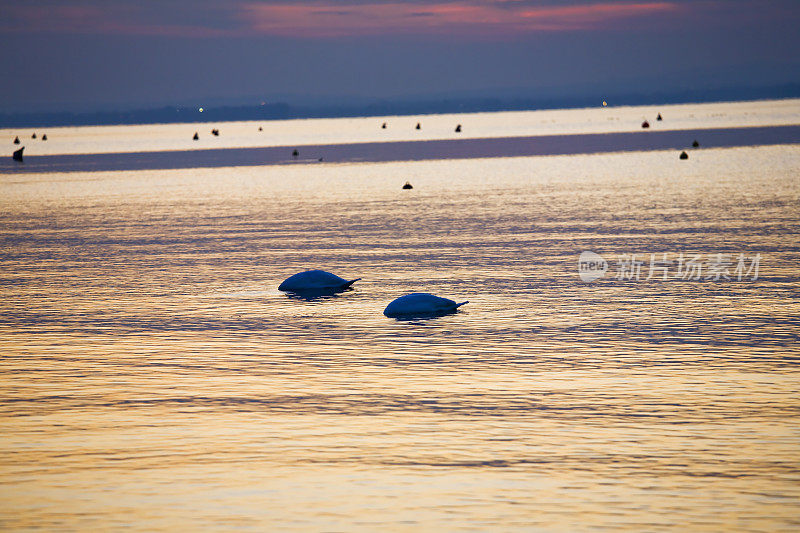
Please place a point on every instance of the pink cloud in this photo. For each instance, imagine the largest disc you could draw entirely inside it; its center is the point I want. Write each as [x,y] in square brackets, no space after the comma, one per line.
[321,19]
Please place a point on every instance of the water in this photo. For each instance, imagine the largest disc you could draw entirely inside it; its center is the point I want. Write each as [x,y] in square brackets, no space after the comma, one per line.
[154,377]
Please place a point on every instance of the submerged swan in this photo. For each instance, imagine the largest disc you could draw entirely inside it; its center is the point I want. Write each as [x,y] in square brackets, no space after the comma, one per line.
[315,281]
[421,304]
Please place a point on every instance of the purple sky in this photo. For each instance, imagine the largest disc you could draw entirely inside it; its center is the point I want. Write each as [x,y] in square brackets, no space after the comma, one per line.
[105,53]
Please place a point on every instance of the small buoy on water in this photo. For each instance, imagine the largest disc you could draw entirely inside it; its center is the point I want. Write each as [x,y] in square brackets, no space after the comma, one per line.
[196,136]
[645,124]
[658,117]
[458,128]
[16,140]
[295,153]
[684,155]
[44,137]
[419,127]
[695,144]
[17,156]
[408,185]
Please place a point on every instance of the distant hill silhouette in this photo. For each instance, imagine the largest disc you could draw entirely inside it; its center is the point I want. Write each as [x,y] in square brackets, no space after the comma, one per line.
[420,106]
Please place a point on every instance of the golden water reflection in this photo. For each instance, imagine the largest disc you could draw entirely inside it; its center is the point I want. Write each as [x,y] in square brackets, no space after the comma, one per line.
[154,378]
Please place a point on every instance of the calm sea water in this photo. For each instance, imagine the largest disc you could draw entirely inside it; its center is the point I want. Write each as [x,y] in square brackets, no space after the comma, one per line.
[153,378]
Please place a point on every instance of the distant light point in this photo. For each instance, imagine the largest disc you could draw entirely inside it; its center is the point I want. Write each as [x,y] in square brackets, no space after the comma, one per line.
[605,104]
[200,109]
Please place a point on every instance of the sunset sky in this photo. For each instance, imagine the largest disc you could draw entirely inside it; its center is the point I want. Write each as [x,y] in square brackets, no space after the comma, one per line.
[96,53]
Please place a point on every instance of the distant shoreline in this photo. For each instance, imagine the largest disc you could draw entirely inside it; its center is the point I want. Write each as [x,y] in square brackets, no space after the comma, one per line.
[183,114]
[374,152]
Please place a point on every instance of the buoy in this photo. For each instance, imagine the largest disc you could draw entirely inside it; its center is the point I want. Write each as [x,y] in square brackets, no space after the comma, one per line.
[260,128]
[383,126]
[658,117]
[684,155]
[458,128]
[421,305]
[645,124]
[16,140]
[315,281]
[44,137]
[419,127]
[17,156]
[295,153]
[408,185]
[196,136]
[695,144]
[34,135]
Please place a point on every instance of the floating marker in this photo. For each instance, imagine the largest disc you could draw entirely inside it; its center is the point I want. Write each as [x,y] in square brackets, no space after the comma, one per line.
[684,155]
[196,136]
[16,140]
[645,124]
[695,144]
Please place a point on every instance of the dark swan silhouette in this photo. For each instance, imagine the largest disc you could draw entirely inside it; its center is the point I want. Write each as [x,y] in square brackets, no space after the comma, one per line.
[421,305]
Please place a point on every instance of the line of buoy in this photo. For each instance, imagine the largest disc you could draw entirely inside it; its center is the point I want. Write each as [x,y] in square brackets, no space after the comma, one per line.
[419,127]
